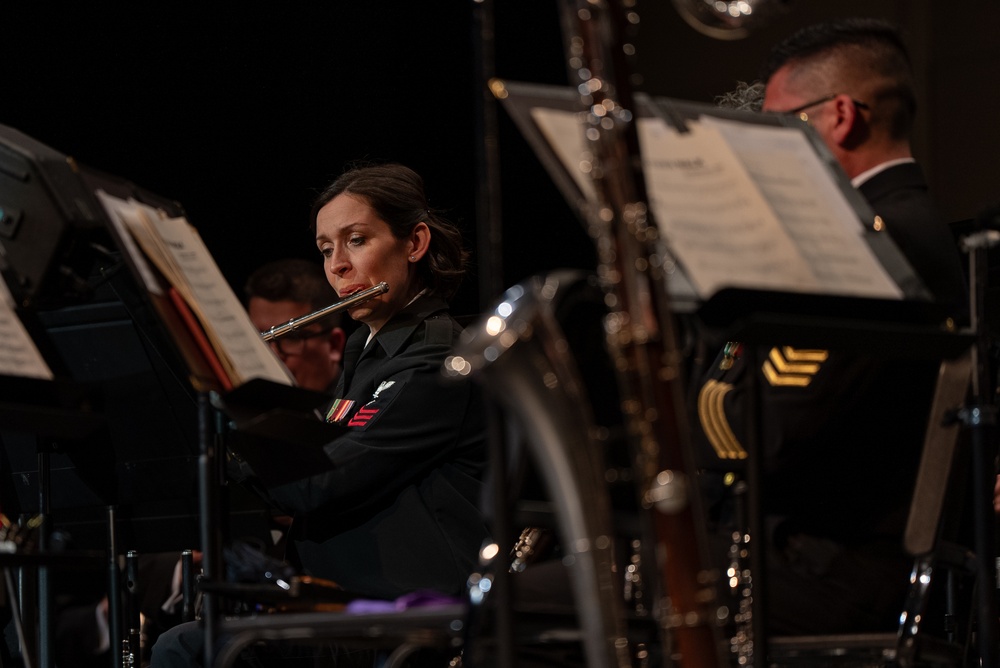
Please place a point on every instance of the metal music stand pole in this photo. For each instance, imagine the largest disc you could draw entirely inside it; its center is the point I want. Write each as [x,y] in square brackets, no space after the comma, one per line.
[187,585]
[211,543]
[133,615]
[980,419]
[489,234]
[502,526]
[46,635]
[115,614]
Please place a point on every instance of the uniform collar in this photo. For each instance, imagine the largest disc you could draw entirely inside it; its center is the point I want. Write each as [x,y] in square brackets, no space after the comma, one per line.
[887,181]
[395,333]
[867,174]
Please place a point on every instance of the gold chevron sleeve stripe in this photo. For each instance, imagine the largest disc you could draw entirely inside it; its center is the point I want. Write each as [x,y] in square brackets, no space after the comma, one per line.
[783,364]
[776,378]
[799,355]
[712,415]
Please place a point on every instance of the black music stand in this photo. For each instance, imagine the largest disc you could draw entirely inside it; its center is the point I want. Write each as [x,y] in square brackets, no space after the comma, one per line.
[105,323]
[523,100]
[96,325]
[110,486]
[49,411]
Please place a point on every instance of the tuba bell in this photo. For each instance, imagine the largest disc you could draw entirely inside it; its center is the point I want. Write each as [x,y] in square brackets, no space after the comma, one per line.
[727,19]
[520,353]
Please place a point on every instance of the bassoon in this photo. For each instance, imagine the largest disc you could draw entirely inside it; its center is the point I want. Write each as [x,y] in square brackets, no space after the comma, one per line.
[640,327]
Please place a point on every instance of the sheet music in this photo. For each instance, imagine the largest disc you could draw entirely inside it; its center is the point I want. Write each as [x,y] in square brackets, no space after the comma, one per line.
[226,322]
[564,133]
[811,208]
[179,253]
[713,216]
[119,212]
[740,205]
[18,354]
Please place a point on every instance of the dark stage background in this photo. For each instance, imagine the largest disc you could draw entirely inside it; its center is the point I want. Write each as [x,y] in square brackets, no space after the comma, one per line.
[242,112]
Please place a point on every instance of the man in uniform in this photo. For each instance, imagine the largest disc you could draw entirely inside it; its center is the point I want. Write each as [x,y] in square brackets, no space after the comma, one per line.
[841,433]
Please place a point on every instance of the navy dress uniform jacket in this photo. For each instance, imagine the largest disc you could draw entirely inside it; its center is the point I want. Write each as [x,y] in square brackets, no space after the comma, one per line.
[899,196]
[399,511]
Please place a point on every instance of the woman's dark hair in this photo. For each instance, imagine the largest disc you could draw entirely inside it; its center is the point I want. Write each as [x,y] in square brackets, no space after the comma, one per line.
[396,194]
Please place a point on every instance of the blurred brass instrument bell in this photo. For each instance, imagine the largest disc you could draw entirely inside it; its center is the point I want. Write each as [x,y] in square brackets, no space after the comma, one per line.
[727,19]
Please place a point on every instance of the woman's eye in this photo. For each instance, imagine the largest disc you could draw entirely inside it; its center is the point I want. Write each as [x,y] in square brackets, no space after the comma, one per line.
[356,240]
[326,252]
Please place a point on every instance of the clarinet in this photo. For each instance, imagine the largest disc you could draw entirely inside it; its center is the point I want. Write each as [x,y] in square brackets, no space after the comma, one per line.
[640,330]
[132,643]
[128,656]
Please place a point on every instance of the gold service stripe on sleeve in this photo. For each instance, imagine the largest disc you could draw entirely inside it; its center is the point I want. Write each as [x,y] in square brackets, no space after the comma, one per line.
[712,415]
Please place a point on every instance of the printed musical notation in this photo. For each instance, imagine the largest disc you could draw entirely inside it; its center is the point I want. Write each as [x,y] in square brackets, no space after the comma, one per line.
[740,205]
[18,354]
[171,258]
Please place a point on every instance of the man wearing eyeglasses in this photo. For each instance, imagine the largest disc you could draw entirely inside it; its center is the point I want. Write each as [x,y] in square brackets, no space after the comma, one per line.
[283,290]
[851,80]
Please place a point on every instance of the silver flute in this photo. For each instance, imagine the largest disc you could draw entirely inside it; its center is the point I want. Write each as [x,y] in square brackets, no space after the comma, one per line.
[278,331]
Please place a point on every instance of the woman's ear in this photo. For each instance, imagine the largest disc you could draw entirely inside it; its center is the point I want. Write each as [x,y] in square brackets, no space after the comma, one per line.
[420,241]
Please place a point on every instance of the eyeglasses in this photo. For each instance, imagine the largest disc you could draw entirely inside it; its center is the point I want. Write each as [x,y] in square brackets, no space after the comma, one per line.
[802,107]
[295,342]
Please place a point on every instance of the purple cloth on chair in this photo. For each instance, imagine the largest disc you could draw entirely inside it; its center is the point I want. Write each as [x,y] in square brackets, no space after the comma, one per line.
[419,599]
